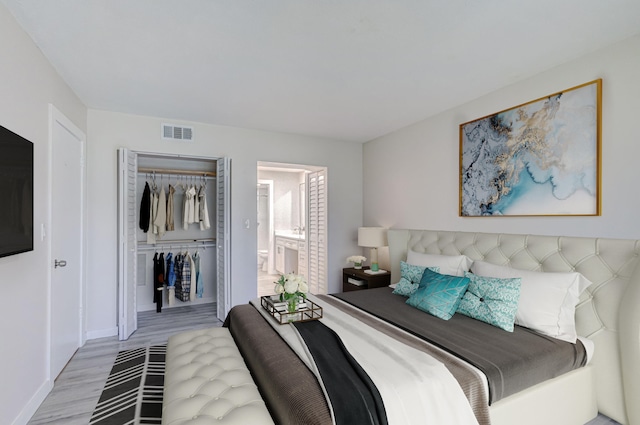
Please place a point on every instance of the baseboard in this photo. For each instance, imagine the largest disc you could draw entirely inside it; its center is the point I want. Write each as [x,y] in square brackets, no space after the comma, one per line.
[102,333]
[32,406]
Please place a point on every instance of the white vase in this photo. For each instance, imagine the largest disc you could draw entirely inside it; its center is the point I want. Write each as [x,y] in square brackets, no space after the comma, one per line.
[357,266]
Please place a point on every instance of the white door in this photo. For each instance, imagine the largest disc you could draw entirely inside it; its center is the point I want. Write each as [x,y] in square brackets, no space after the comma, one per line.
[127,252]
[67,201]
[223,236]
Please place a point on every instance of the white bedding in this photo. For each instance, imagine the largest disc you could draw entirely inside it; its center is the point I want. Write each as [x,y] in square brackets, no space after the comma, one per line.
[589,347]
[403,389]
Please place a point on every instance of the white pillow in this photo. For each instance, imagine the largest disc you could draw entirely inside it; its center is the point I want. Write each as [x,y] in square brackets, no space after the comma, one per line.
[547,300]
[454,265]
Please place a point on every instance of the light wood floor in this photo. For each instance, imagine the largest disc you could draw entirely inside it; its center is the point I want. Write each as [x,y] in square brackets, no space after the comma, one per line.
[78,388]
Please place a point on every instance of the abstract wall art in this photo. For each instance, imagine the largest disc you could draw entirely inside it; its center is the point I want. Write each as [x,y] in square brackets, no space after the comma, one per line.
[538,158]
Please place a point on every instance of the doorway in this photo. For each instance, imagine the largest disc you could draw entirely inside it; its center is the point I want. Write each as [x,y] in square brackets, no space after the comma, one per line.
[67,230]
[200,245]
[292,223]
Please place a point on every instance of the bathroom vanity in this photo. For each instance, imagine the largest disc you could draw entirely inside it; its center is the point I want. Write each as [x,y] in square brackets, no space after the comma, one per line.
[290,253]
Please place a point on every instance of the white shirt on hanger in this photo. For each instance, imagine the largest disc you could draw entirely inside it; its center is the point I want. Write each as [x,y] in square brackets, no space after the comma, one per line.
[196,205]
[187,216]
[151,236]
[204,211]
[160,220]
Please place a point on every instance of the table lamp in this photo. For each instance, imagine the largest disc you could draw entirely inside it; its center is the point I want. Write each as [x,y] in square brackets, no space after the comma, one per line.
[372,237]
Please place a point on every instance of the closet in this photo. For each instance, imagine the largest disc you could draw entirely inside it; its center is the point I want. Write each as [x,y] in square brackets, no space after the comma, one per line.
[199,236]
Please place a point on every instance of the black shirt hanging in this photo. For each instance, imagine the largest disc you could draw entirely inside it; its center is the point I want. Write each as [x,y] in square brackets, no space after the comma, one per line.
[145,208]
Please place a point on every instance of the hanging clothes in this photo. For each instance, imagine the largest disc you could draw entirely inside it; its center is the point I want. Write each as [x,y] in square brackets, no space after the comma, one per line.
[192,197]
[158,280]
[160,219]
[178,266]
[196,206]
[170,271]
[192,284]
[154,210]
[155,274]
[153,231]
[145,208]
[199,284]
[186,277]
[187,215]
[170,224]
[183,290]
[204,211]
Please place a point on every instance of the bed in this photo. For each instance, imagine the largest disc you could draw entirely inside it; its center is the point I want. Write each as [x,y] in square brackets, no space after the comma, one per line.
[606,314]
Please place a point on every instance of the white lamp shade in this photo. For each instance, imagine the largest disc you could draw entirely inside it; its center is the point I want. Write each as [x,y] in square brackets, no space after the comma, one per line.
[372,237]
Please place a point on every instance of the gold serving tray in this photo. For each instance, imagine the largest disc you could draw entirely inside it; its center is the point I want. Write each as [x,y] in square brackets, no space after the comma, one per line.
[271,303]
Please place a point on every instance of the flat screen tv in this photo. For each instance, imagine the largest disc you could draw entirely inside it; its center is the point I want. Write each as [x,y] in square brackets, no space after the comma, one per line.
[16,209]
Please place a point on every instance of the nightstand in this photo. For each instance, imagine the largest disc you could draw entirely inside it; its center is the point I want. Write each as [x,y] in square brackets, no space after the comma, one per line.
[356,279]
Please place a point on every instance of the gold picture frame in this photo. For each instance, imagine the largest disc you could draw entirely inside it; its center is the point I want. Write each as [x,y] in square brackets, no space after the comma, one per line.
[542,157]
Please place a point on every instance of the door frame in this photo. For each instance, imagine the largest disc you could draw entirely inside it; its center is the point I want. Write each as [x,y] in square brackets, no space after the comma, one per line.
[58,118]
[307,169]
[223,305]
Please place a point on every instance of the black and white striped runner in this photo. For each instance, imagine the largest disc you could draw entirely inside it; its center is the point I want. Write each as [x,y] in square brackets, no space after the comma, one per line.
[133,391]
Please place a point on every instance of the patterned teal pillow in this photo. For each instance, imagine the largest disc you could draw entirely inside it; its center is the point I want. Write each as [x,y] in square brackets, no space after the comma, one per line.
[439,294]
[492,300]
[405,288]
[410,278]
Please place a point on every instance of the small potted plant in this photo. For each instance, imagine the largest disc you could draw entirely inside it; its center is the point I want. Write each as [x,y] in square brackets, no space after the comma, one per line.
[357,261]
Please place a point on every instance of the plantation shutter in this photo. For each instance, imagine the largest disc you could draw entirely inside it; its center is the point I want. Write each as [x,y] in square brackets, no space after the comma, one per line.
[317,232]
[127,259]
[223,236]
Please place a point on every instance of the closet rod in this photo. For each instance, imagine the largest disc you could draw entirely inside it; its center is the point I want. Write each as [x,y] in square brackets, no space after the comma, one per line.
[179,172]
[179,241]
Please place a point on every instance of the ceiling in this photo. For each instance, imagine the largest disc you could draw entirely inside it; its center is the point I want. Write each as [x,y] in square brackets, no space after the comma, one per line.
[345,69]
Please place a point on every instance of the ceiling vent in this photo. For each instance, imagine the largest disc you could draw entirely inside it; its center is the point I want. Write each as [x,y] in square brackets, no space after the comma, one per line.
[175,132]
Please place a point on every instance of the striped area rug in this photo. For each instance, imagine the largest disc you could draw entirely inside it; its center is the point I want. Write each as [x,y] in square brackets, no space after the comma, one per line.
[133,391]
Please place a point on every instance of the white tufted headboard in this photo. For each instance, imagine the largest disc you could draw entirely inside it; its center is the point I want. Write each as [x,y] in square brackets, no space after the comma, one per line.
[609,310]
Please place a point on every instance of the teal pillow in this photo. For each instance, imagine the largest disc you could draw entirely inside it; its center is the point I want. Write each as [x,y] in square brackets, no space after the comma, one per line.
[439,294]
[492,300]
[414,273]
[410,278]
[405,288]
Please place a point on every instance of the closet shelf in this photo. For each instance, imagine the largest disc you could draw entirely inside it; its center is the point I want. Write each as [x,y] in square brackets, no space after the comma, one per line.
[178,242]
[177,246]
[166,171]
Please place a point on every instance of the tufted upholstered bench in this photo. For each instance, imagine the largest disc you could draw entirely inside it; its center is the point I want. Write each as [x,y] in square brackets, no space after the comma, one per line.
[207,382]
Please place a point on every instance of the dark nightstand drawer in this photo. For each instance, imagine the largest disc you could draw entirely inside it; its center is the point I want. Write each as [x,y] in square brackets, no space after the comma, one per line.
[354,279]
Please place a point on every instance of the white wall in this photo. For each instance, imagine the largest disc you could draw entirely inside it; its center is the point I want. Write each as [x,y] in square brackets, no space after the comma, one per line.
[286,198]
[419,187]
[28,84]
[107,131]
